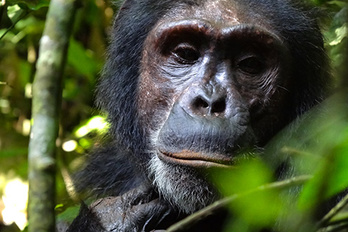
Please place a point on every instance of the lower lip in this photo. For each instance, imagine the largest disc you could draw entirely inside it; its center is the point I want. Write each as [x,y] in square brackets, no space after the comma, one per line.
[192,160]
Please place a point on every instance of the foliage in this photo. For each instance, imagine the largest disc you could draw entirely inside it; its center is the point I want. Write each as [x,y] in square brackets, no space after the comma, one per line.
[21,26]
[317,148]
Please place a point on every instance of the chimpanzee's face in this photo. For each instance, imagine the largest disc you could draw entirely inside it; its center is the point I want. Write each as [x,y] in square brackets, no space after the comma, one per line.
[213,80]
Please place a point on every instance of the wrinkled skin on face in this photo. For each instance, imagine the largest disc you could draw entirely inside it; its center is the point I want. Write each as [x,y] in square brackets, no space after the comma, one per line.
[215,77]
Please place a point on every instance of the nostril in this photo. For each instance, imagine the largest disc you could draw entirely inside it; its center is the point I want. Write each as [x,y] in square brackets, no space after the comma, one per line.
[200,103]
[219,106]
[203,106]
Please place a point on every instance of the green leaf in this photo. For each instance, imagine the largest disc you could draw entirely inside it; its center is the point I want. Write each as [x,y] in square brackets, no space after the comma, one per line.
[69,214]
[246,176]
[14,13]
[82,60]
[331,176]
[243,180]
[13,152]
[32,4]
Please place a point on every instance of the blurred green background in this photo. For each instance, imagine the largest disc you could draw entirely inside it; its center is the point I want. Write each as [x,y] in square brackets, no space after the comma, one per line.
[21,26]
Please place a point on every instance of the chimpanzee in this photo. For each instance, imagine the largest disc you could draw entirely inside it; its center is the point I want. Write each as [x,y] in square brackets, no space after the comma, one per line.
[187,85]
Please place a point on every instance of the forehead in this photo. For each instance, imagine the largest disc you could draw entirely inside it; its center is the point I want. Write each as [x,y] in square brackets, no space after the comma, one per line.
[219,13]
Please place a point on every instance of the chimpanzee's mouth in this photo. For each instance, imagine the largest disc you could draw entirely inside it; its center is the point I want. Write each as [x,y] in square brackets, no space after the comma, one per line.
[196,159]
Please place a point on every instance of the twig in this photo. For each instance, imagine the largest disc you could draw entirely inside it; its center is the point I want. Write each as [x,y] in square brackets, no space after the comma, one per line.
[335,228]
[192,219]
[334,211]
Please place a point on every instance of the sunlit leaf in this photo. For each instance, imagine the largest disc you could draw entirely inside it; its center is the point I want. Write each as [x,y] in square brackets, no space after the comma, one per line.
[95,123]
[32,4]
[244,177]
[341,33]
[260,208]
[14,12]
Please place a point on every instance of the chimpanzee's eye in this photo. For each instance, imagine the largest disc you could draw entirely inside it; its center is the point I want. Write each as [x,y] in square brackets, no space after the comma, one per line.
[251,65]
[185,54]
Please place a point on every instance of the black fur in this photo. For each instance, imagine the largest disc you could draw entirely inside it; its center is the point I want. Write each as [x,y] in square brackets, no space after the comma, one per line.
[121,165]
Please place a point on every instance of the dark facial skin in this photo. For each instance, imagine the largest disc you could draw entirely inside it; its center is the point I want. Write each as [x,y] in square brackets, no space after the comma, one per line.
[214,81]
[187,85]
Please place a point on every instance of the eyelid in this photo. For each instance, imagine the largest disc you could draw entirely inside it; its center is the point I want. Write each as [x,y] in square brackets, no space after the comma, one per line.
[247,56]
[253,69]
[185,45]
[170,35]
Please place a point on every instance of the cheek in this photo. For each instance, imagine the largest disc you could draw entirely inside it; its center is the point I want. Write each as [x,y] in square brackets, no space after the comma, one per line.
[154,98]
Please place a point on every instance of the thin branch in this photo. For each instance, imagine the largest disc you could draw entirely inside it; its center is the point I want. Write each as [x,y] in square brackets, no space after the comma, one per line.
[333,212]
[194,218]
[335,228]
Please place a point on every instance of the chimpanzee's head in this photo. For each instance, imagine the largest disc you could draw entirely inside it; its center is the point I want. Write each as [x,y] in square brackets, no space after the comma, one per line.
[189,84]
